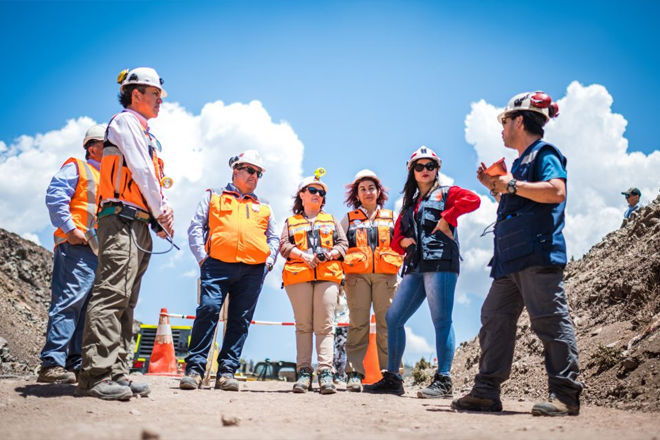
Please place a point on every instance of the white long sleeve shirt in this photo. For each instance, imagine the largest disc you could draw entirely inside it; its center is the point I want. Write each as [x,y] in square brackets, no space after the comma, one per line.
[128,131]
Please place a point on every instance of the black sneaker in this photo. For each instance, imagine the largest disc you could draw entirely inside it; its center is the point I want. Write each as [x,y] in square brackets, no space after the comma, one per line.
[440,387]
[472,403]
[326,386]
[304,382]
[391,383]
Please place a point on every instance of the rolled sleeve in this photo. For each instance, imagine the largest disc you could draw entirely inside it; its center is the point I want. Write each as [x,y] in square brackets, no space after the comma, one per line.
[198,229]
[58,197]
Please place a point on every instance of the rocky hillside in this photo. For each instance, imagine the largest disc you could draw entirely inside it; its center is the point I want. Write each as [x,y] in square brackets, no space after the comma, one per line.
[25,273]
[614,295]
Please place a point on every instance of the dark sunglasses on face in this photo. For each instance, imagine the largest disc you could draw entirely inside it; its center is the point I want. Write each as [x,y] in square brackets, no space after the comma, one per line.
[251,171]
[430,166]
[312,190]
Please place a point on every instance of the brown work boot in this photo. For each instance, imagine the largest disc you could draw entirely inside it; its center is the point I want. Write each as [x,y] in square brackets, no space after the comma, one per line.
[191,381]
[473,403]
[554,407]
[226,382]
[56,374]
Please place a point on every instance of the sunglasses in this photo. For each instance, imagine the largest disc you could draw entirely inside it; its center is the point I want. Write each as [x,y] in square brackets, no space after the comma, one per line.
[312,190]
[430,166]
[251,171]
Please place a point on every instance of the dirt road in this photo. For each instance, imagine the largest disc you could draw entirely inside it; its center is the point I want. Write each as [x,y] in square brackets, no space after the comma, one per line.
[268,410]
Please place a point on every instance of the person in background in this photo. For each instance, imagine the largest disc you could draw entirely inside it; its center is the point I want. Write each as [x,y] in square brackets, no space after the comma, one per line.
[370,266]
[632,197]
[312,242]
[426,232]
[71,202]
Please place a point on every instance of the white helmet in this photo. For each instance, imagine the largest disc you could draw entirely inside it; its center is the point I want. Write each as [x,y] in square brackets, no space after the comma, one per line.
[538,102]
[96,132]
[423,152]
[364,174]
[315,179]
[250,157]
[141,75]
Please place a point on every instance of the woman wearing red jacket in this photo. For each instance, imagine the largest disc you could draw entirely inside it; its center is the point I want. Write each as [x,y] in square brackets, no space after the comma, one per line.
[425,232]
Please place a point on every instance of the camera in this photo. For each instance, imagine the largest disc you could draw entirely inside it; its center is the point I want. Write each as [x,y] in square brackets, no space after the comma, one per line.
[320,255]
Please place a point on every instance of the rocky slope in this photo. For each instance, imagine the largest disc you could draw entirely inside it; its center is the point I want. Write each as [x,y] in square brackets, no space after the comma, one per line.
[614,295]
[25,273]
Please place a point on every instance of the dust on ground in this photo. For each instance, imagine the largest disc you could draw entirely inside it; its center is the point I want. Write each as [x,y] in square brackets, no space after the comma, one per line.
[269,410]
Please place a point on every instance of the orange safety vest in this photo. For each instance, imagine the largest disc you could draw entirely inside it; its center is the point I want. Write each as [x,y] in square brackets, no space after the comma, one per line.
[83,201]
[237,228]
[322,232]
[369,248]
[117,180]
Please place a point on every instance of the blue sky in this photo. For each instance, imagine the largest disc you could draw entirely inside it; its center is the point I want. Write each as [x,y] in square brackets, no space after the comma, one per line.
[361,84]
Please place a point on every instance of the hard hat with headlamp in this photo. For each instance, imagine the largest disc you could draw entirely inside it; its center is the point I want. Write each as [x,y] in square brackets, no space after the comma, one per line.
[538,102]
[95,132]
[142,76]
[314,180]
[423,152]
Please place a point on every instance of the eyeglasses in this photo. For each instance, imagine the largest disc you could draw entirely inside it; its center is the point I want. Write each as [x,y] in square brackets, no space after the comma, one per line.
[251,171]
[430,166]
[313,190]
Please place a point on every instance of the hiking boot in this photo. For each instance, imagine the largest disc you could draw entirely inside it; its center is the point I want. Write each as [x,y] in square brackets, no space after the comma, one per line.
[191,381]
[138,389]
[226,382]
[325,382]
[554,407]
[440,387]
[339,379]
[391,383]
[105,390]
[304,382]
[472,403]
[56,374]
[354,382]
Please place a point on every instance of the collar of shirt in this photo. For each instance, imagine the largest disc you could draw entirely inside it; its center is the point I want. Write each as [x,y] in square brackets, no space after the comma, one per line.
[231,188]
[374,214]
[94,163]
[142,119]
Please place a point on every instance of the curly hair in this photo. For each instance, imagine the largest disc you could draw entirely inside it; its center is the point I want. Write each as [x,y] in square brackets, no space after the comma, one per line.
[352,193]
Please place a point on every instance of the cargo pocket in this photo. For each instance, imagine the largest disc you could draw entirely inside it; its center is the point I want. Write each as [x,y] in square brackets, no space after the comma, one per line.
[356,261]
[296,272]
[387,261]
[514,237]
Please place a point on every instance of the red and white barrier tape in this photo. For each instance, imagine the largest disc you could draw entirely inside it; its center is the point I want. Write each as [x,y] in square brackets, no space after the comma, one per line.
[174,315]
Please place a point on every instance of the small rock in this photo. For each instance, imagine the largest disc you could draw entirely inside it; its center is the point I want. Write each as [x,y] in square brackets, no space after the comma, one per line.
[597,331]
[230,420]
[135,412]
[150,434]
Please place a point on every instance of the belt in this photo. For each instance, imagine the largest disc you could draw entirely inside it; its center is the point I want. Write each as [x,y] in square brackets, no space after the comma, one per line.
[125,212]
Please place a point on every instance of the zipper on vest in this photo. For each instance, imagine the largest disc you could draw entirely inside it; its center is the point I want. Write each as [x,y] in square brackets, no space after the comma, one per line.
[247,211]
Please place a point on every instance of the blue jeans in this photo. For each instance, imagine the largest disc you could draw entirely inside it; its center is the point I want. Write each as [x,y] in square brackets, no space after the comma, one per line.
[73,277]
[243,283]
[439,288]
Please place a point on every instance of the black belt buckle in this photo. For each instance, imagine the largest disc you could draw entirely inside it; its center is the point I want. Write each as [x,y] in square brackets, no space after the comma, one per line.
[127,213]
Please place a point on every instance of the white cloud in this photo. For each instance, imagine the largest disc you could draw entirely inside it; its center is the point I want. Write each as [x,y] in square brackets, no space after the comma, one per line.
[416,344]
[196,150]
[32,237]
[600,166]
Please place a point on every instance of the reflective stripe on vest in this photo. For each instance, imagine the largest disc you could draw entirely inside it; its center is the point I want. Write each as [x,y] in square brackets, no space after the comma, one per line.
[83,201]
[117,180]
[313,238]
[369,248]
[237,228]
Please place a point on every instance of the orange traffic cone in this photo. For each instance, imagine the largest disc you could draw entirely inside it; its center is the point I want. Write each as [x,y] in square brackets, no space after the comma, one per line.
[163,360]
[372,372]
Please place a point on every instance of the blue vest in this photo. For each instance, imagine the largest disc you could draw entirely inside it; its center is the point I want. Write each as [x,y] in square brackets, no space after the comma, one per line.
[528,233]
[434,252]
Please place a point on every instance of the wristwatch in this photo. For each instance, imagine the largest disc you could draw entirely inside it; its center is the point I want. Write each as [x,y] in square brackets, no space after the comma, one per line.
[511,187]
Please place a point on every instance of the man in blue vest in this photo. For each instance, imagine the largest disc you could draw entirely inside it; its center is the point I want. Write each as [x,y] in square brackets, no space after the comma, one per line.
[528,264]
[632,197]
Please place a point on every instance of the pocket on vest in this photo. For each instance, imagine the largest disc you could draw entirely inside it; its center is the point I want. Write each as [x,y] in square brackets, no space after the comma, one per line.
[296,272]
[387,261]
[356,261]
[514,237]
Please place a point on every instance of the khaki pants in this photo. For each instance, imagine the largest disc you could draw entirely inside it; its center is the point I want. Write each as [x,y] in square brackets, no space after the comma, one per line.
[314,305]
[108,326]
[361,291]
